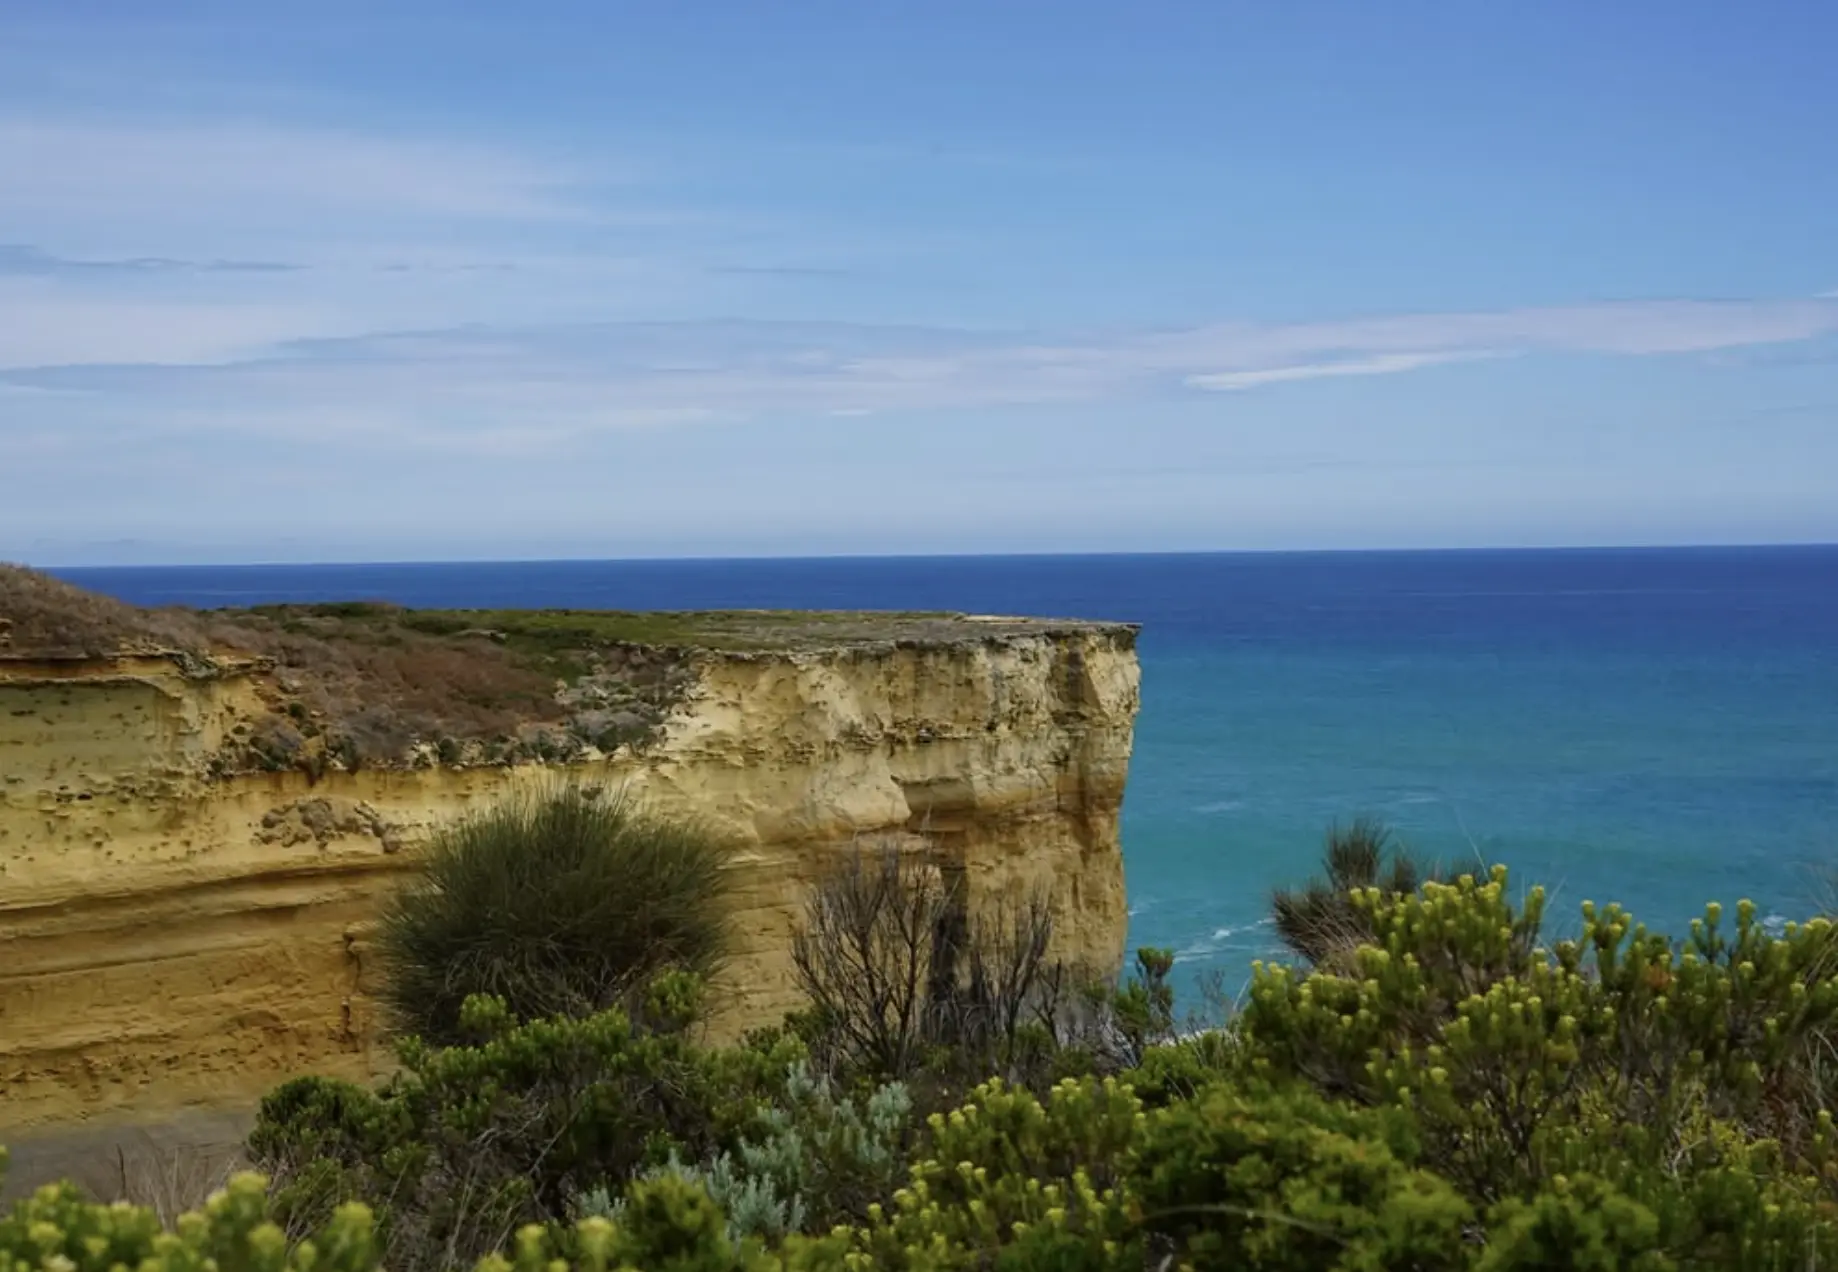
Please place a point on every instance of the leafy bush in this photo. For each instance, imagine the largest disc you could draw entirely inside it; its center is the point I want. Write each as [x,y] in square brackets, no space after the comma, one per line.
[328,1142]
[1498,1043]
[1286,1180]
[1012,1179]
[562,903]
[668,1225]
[1139,1014]
[1180,1068]
[816,1159]
[1732,1216]
[57,1230]
[1689,1079]
[470,1143]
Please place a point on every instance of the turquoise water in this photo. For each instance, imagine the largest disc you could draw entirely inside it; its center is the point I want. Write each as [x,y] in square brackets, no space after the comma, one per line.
[1655,727]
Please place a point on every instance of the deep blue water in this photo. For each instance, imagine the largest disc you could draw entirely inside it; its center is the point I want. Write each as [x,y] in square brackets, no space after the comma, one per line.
[1654,727]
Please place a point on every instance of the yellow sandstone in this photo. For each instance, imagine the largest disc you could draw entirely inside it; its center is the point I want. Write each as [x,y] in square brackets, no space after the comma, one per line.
[174,939]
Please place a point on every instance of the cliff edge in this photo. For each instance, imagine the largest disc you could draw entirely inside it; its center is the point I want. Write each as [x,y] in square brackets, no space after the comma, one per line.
[198,811]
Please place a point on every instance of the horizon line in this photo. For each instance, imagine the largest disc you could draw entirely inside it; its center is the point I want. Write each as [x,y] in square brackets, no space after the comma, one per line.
[1106,554]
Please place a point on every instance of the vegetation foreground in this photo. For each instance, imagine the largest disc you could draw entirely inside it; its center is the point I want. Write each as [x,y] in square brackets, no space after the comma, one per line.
[1432,1086]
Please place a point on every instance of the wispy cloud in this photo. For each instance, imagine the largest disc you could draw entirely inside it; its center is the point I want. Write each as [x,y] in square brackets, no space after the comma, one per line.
[1382,364]
[43,325]
[783,271]
[306,281]
[23,260]
[553,381]
[177,240]
[1609,327]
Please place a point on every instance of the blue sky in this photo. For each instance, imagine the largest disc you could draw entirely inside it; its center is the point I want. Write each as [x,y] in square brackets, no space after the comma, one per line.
[293,282]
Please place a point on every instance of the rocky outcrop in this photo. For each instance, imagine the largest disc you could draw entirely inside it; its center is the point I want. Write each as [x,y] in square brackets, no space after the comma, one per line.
[176,936]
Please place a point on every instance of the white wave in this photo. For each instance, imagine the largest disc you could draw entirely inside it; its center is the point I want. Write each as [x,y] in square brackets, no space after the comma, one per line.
[1221,806]
[1221,940]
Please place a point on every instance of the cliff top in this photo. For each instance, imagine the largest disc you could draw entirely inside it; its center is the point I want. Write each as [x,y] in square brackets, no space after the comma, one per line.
[368,681]
[43,616]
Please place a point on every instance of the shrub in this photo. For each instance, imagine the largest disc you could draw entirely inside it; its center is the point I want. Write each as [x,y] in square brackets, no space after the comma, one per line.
[670,1226]
[1738,1215]
[328,1142]
[1012,1181]
[908,979]
[815,1159]
[467,1144]
[562,903]
[1681,1074]
[55,1228]
[869,954]
[1436,959]
[1285,1180]
[1319,921]
[1181,1068]
[1140,1012]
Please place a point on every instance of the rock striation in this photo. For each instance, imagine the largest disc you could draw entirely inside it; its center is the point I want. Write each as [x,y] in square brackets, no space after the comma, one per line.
[178,933]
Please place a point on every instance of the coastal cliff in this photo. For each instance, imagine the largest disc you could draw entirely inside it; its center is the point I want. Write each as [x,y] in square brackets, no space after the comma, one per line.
[192,845]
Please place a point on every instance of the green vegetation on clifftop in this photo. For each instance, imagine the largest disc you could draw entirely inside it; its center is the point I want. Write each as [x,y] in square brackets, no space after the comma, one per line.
[370,684]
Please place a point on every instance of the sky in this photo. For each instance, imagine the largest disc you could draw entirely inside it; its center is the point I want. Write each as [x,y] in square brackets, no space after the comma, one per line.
[342,281]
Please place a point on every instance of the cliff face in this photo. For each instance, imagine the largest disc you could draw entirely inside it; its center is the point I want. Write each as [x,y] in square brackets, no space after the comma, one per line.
[178,936]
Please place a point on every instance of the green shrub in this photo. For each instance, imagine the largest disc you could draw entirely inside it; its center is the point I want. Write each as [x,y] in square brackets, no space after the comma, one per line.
[330,1142]
[1732,1215]
[668,1224]
[1285,1180]
[1738,1214]
[1011,1181]
[814,1160]
[1580,1225]
[1179,1070]
[1619,1100]
[562,903]
[57,1230]
[1454,969]
[468,1144]
[1139,1014]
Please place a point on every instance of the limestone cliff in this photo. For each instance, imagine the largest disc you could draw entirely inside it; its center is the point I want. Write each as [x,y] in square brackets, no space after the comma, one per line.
[180,932]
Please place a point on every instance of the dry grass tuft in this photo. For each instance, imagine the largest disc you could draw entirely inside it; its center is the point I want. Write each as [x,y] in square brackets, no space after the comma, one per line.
[171,1179]
[1319,921]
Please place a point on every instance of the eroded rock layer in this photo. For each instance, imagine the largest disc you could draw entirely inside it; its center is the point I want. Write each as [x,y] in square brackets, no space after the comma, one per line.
[175,936]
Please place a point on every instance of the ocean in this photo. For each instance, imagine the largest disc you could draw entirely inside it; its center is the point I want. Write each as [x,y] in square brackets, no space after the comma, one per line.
[1654,727]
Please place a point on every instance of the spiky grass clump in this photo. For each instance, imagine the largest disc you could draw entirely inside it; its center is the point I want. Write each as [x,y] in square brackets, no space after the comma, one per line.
[563,902]
[1318,921]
